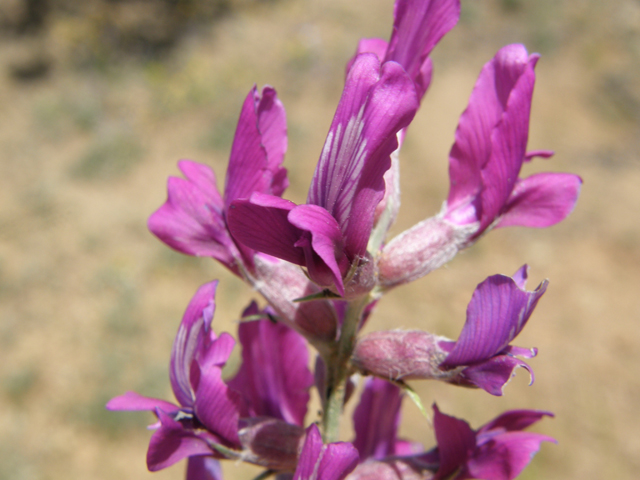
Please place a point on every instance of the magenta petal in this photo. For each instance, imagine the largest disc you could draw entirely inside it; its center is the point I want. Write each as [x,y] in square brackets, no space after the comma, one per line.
[132,401]
[348,181]
[172,442]
[189,337]
[258,148]
[274,376]
[456,442]
[418,26]
[376,419]
[515,420]
[324,462]
[326,244]
[192,220]
[495,373]
[217,406]
[376,46]
[488,102]
[504,456]
[508,148]
[496,314]
[541,200]
[216,352]
[203,468]
[261,224]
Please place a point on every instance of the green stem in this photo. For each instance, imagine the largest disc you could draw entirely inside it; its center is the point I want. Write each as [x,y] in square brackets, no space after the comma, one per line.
[338,370]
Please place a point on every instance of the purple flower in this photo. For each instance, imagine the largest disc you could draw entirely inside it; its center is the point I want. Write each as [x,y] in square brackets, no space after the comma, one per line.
[324,462]
[257,416]
[418,25]
[208,412]
[484,165]
[193,219]
[490,148]
[482,356]
[329,234]
[499,450]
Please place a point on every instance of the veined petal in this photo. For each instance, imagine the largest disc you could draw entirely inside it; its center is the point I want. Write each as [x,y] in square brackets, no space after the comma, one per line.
[376,419]
[274,376]
[508,146]
[217,406]
[324,253]
[497,312]
[132,401]
[261,223]
[258,148]
[172,442]
[456,442]
[488,102]
[192,220]
[348,181]
[203,468]
[503,457]
[188,339]
[418,26]
[541,200]
[324,462]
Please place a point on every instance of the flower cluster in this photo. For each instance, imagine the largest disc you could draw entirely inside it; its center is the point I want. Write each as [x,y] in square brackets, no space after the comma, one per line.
[322,265]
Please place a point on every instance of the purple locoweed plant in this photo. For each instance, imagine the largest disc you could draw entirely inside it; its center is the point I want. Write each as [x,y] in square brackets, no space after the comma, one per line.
[322,266]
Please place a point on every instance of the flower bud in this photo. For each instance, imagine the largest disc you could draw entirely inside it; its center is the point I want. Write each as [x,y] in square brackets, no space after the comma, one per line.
[271,443]
[400,355]
[423,248]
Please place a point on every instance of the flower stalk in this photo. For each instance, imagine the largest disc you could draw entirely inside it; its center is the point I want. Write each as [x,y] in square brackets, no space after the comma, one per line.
[339,369]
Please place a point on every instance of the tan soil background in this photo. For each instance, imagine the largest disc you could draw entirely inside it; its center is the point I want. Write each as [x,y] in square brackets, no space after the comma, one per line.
[90,301]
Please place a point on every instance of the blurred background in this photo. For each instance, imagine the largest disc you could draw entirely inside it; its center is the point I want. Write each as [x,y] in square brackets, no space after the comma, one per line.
[100,98]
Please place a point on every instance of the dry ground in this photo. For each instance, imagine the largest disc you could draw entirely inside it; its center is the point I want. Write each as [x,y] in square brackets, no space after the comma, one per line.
[89,300]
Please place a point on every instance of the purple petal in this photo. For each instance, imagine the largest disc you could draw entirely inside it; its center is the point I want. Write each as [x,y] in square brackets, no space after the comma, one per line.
[504,456]
[495,373]
[172,442]
[348,181]
[474,143]
[456,442]
[497,313]
[324,462]
[508,148]
[132,401]
[418,26]
[189,337]
[203,468]
[376,46]
[258,148]
[538,153]
[192,220]
[521,276]
[541,200]
[324,254]
[261,224]
[217,406]
[376,419]
[515,420]
[274,377]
